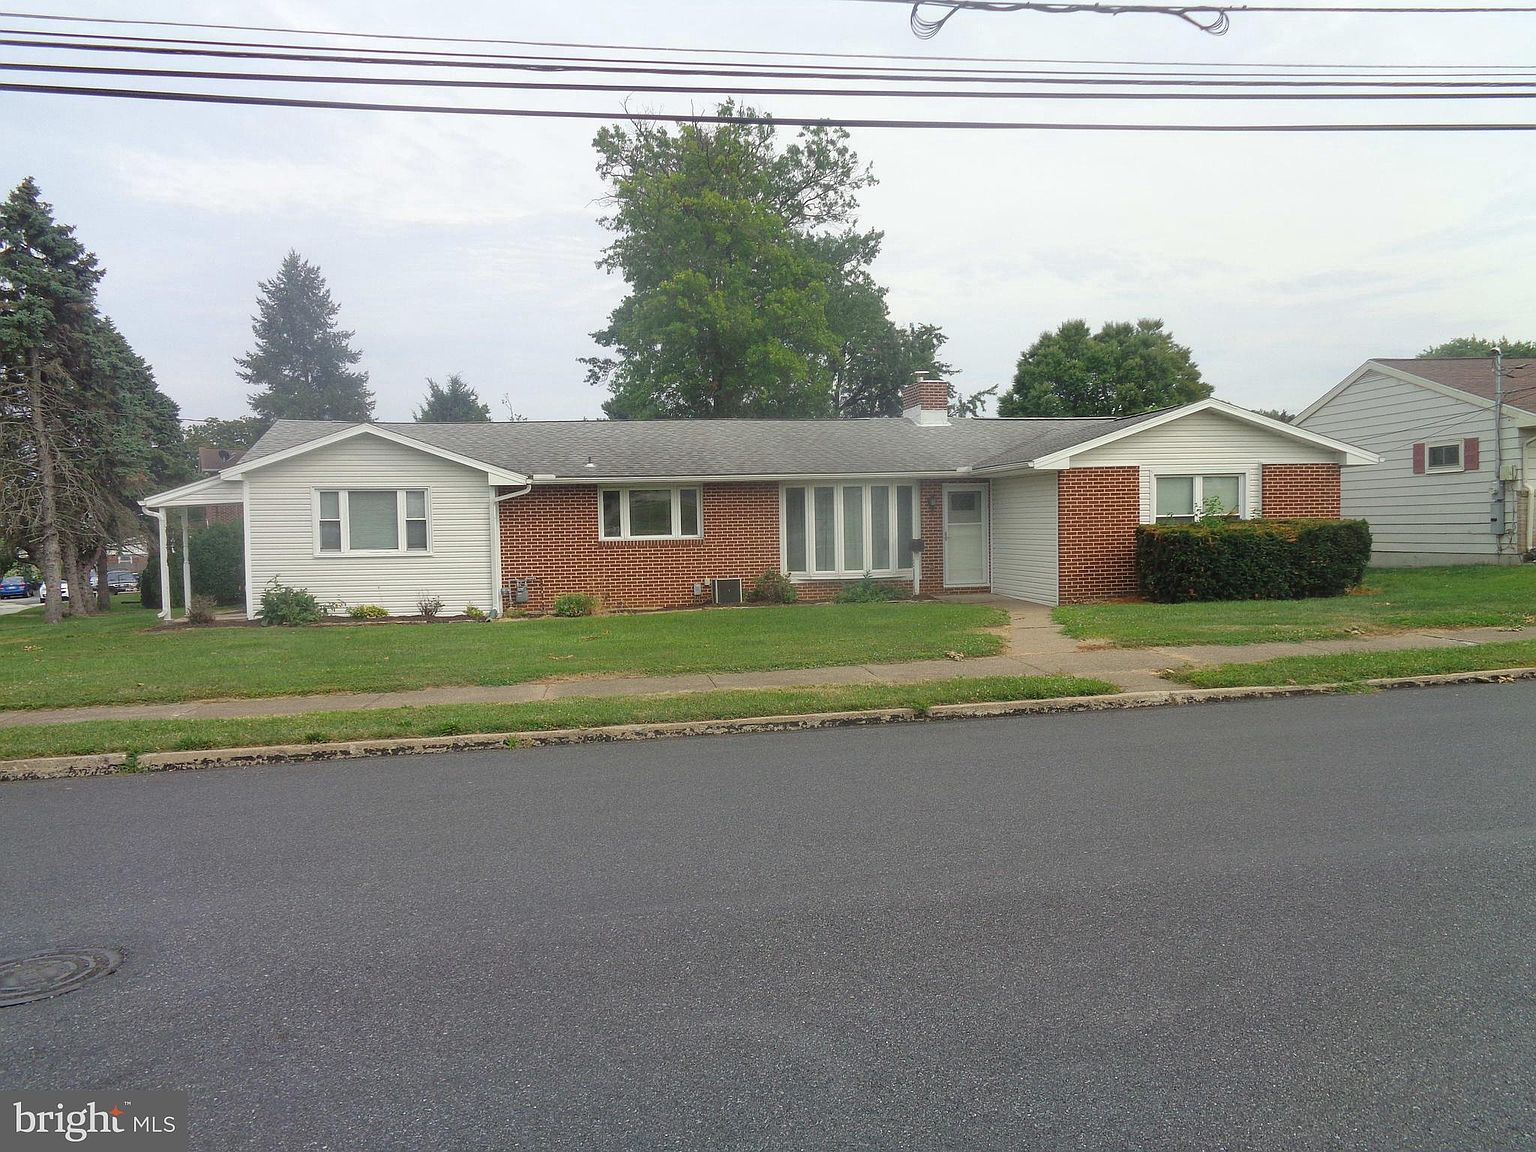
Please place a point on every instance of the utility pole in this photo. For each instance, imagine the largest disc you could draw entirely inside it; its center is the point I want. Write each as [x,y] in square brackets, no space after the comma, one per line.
[1497,519]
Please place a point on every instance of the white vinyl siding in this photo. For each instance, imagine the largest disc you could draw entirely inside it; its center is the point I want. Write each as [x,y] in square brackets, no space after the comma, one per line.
[1207,443]
[1024,539]
[1425,518]
[282,517]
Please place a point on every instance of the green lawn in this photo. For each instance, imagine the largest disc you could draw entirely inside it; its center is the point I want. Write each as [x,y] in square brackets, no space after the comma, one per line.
[1348,667]
[117,659]
[1392,600]
[578,712]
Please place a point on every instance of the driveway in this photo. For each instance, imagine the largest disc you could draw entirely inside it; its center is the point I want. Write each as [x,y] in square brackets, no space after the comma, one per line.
[1276,924]
[7,607]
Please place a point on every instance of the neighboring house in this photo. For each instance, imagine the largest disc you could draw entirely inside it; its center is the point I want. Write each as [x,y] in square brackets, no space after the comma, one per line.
[1431,499]
[647,514]
[210,462]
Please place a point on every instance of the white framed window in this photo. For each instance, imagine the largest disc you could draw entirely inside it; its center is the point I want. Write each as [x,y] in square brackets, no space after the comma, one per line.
[1443,457]
[1180,499]
[845,530]
[650,514]
[373,521]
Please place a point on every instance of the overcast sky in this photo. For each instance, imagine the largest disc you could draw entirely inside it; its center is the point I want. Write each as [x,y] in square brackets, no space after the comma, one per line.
[457,244]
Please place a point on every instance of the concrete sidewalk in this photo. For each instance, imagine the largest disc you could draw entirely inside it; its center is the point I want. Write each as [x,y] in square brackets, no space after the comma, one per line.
[1036,646]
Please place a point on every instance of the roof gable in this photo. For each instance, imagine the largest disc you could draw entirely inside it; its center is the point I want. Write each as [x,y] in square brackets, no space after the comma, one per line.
[1468,379]
[255,460]
[1062,458]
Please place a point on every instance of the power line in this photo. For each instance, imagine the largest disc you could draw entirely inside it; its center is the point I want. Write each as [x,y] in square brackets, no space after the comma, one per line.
[1528,90]
[340,34]
[281,52]
[710,118]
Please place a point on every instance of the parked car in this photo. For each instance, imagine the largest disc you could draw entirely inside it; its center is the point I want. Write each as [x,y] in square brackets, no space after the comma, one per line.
[14,588]
[122,580]
[42,590]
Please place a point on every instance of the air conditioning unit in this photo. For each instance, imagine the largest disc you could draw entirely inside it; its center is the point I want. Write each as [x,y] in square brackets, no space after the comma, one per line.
[727,591]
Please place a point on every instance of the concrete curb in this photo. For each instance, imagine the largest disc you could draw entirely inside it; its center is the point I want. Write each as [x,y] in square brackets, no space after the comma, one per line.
[102,764]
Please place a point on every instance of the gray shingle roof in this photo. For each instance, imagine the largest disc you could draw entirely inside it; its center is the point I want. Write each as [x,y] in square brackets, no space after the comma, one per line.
[622,449]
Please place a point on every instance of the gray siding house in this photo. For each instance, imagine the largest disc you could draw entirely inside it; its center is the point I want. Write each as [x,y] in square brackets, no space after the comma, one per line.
[1431,499]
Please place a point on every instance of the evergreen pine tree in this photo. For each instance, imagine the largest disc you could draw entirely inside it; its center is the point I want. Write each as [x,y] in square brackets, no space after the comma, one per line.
[452,403]
[302,364]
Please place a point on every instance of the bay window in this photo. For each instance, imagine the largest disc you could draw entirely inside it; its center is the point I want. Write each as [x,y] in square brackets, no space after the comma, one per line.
[371,520]
[842,530]
[649,513]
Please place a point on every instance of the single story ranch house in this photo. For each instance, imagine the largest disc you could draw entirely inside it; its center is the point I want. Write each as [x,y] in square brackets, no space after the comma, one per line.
[657,514]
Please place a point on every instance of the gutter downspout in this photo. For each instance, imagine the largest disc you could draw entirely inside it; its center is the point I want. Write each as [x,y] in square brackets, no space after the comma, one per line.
[165,563]
[495,504]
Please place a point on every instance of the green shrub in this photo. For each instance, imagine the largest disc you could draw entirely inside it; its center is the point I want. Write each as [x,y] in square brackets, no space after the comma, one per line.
[773,587]
[201,611]
[283,604]
[473,612]
[872,591]
[575,604]
[1251,559]
[218,562]
[367,612]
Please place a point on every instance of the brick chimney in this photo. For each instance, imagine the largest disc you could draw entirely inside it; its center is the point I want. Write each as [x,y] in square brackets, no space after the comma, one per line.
[926,401]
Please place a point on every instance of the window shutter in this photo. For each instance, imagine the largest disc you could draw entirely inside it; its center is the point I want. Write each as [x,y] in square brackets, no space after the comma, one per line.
[1418,459]
[1469,453]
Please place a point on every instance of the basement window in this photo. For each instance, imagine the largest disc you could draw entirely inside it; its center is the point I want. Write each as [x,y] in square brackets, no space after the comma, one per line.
[650,514]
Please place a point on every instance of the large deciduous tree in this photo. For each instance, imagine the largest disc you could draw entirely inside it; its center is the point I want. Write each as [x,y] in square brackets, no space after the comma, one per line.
[237,434]
[452,403]
[1120,370]
[303,364]
[749,286]
[1471,347]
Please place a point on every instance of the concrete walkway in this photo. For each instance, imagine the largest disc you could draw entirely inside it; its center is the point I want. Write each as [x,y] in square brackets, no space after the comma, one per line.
[1036,646]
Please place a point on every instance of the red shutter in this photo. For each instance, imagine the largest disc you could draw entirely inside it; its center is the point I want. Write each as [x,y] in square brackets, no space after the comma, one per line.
[1418,459]
[1469,448]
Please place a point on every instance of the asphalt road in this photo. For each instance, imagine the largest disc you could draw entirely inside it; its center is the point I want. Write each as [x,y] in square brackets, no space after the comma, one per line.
[1306,923]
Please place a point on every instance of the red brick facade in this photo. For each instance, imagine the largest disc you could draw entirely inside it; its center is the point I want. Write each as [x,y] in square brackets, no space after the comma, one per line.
[1300,490]
[550,538]
[1097,511]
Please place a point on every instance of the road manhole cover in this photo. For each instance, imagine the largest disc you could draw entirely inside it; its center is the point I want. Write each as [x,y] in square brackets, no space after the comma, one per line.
[27,978]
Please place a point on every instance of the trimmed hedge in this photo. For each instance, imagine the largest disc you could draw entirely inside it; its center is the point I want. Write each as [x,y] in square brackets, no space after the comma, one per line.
[1251,559]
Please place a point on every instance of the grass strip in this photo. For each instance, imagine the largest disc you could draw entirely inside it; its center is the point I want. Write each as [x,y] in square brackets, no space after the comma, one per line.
[1349,667]
[1391,600]
[577,712]
[120,658]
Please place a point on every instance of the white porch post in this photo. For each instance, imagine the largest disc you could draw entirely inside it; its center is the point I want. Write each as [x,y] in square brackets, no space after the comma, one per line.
[186,567]
[165,565]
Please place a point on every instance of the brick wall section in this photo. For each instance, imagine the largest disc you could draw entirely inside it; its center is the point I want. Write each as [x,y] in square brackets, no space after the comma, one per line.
[1300,490]
[551,536]
[1098,510]
[931,395]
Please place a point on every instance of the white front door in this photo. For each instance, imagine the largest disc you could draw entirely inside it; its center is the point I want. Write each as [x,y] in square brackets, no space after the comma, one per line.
[965,536]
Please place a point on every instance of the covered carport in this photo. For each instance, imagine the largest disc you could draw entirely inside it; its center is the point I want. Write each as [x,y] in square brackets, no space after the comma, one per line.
[165,505]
